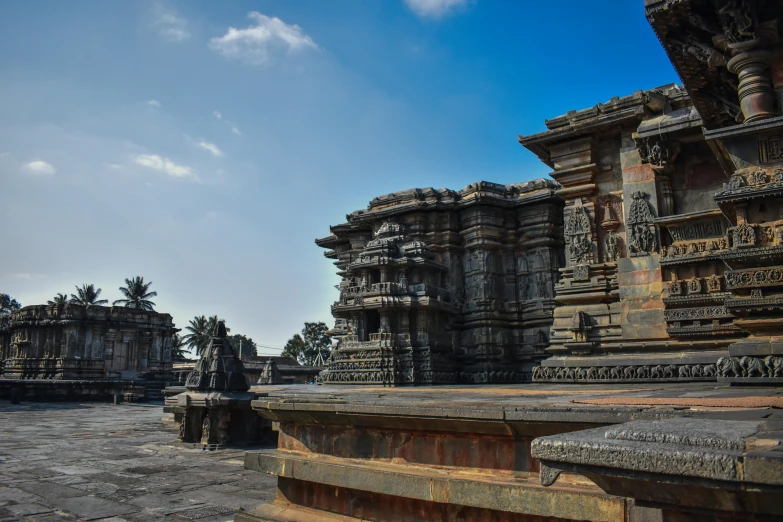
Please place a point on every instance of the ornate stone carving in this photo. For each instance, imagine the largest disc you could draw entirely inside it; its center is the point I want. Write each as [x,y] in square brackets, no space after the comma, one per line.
[658,152]
[713,283]
[744,235]
[766,367]
[612,247]
[694,285]
[578,232]
[771,150]
[581,272]
[754,277]
[640,223]
[662,372]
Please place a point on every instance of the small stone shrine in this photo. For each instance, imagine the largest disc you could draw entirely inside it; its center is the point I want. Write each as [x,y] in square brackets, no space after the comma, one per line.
[270,374]
[215,408]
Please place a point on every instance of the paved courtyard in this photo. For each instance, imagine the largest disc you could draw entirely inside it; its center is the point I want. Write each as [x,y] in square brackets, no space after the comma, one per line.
[61,462]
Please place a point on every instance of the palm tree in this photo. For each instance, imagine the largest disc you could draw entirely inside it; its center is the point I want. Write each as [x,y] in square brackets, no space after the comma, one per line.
[136,294]
[177,348]
[199,335]
[201,331]
[88,295]
[212,323]
[8,304]
[58,299]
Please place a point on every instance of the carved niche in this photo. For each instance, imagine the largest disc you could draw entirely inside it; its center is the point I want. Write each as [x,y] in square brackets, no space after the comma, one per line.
[640,226]
[578,236]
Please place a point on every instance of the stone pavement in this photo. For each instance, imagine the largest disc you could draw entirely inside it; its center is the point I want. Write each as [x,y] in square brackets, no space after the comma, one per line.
[62,462]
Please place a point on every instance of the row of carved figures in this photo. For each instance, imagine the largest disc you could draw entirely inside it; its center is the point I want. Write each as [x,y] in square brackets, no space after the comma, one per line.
[770,366]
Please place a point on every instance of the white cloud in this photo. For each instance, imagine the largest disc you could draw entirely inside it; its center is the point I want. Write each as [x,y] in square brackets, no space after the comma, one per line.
[172,27]
[114,166]
[434,8]
[4,154]
[210,147]
[28,276]
[218,115]
[235,130]
[152,103]
[147,183]
[39,167]
[220,172]
[255,43]
[165,165]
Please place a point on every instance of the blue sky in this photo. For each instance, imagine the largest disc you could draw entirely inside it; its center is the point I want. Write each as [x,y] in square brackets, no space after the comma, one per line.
[205,145]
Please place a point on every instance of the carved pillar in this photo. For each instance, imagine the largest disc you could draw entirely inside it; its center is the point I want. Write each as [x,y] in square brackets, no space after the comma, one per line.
[776,66]
[755,90]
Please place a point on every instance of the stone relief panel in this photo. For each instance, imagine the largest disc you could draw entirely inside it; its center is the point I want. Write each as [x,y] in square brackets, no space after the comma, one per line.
[578,233]
[641,229]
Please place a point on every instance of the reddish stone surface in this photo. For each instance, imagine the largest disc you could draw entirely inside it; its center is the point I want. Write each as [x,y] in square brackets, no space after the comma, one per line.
[414,447]
[374,506]
[724,402]
[639,277]
[638,173]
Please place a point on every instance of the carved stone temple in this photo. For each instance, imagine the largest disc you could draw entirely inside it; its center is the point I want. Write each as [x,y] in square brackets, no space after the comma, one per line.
[215,408]
[657,255]
[651,268]
[440,286]
[95,345]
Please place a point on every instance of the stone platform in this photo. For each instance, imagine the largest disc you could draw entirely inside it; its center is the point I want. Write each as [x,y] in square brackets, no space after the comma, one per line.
[48,390]
[71,461]
[468,453]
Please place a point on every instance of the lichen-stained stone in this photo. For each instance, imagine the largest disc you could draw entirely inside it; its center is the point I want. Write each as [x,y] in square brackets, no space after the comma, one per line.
[694,463]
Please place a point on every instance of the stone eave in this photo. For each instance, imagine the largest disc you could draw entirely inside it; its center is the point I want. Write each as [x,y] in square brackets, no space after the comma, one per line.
[671,20]
[540,143]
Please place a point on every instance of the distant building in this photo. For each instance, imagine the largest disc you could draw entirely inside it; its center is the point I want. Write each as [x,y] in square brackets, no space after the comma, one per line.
[291,372]
[74,342]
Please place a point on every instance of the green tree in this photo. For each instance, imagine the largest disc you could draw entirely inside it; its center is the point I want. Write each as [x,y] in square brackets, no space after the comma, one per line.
[306,347]
[88,295]
[58,299]
[294,348]
[8,304]
[246,343]
[178,348]
[200,331]
[198,335]
[137,294]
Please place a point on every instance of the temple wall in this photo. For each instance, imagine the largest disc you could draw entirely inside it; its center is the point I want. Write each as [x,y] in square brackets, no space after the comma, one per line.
[73,342]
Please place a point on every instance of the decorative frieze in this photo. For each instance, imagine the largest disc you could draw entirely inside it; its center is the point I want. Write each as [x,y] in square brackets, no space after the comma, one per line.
[754,277]
[652,372]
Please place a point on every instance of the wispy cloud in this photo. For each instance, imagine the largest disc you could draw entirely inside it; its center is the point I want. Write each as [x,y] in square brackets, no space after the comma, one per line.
[39,167]
[152,103]
[28,276]
[172,27]
[435,8]
[234,128]
[165,165]
[210,147]
[256,43]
